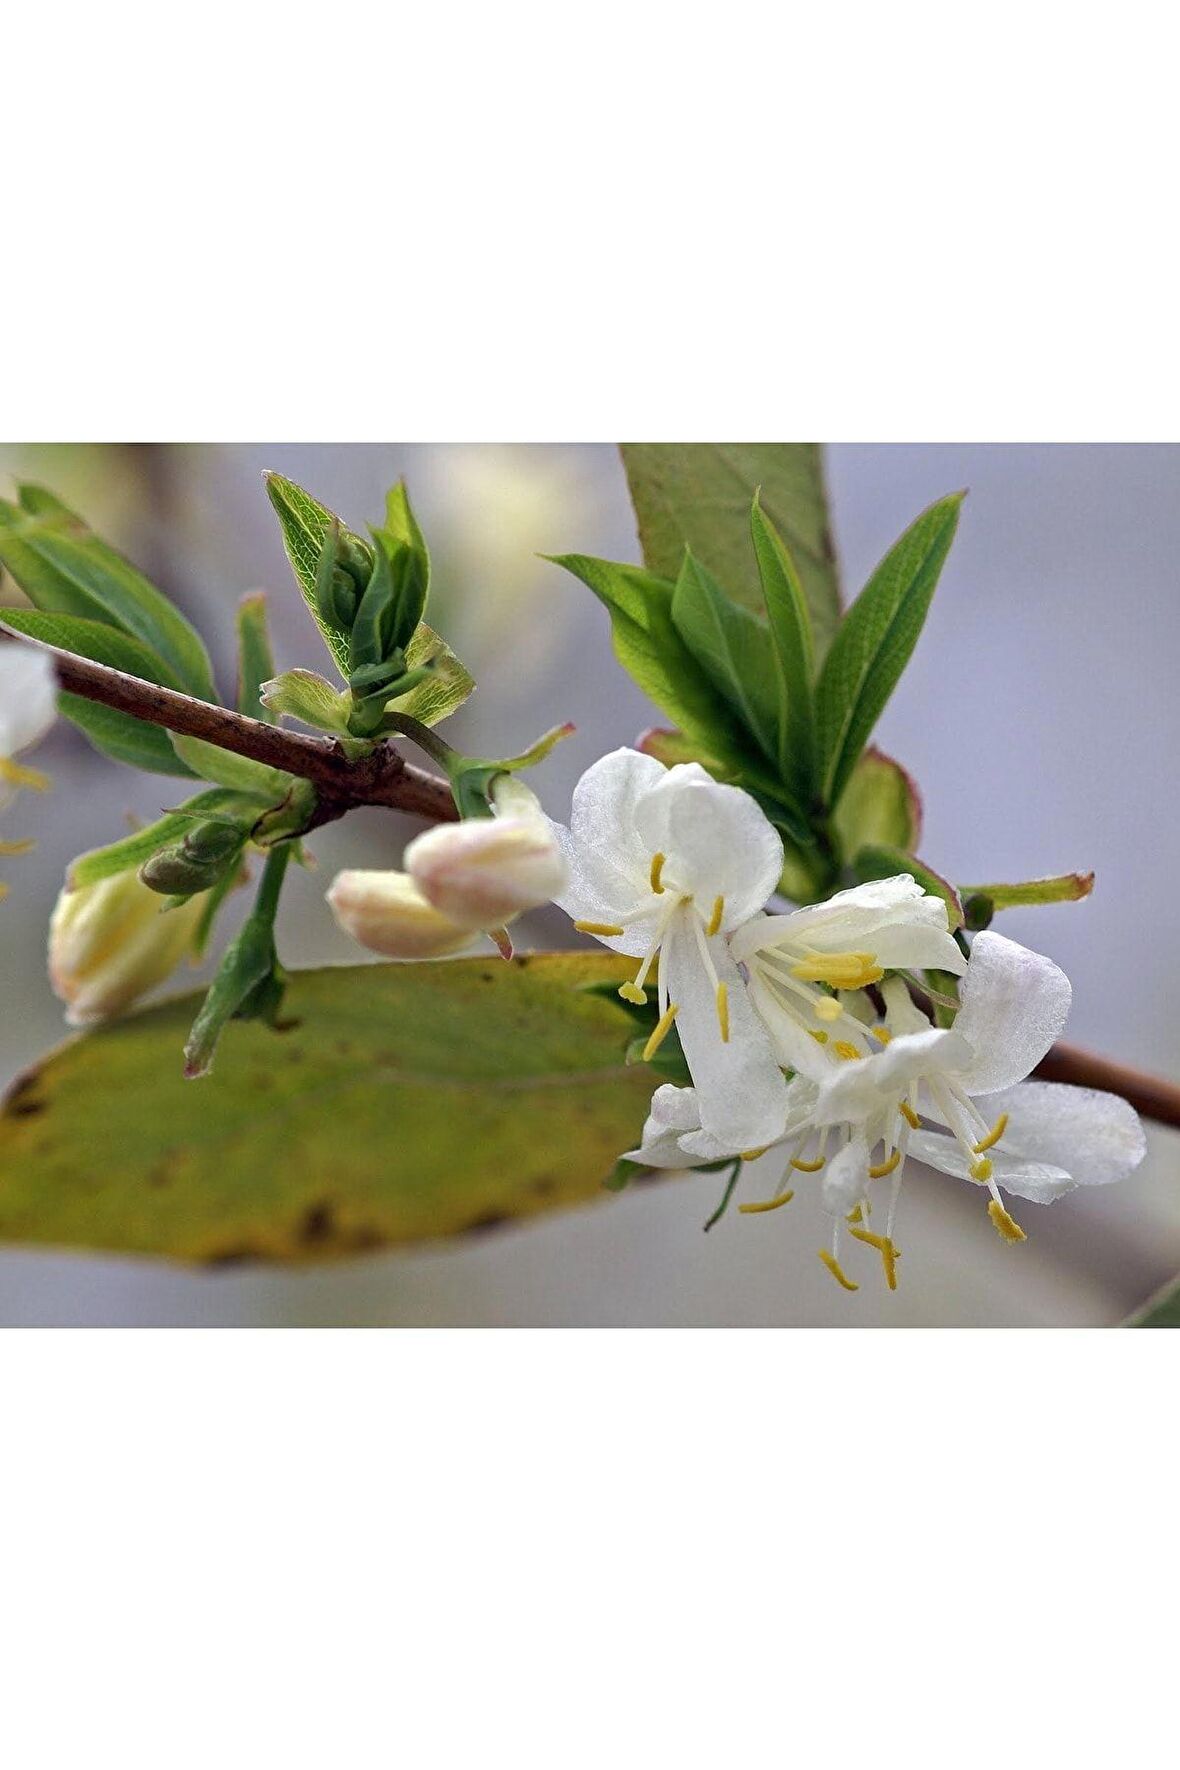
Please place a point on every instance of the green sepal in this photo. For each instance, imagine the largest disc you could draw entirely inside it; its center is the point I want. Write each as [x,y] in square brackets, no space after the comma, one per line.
[310,698]
[471,777]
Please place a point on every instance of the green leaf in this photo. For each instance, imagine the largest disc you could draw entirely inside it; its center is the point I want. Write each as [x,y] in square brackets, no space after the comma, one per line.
[698,495]
[64,568]
[880,805]
[307,696]
[448,685]
[651,650]
[225,769]
[734,650]
[304,522]
[793,649]
[880,861]
[1160,1311]
[875,640]
[115,734]
[140,845]
[409,1102]
[256,663]
[1062,888]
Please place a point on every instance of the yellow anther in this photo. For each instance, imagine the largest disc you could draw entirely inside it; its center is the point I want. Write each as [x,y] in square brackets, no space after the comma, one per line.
[855,1215]
[833,1266]
[886,1250]
[827,1008]
[821,1038]
[663,1028]
[751,1155]
[840,970]
[802,1167]
[715,919]
[22,847]
[1008,1227]
[604,928]
[657,868]
[843,1049]
[908,1114]
[631,992]
[981,1170]
[994,1135]
[767,1204]
[16,776]
[723,1012]
[882,1168]
[881,1033]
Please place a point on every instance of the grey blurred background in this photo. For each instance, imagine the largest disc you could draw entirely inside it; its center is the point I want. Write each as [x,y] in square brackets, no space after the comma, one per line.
[1039,716]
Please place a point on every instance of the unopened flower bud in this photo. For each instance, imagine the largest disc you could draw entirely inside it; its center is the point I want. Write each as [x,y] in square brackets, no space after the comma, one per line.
[486,870]
[196,863]
[387,913]
[111,942]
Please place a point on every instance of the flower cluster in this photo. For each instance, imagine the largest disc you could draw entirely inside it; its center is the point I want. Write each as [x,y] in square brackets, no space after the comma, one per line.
[812,1030]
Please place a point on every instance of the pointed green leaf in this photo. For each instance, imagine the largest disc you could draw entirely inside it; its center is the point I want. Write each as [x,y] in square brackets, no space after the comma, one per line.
[733,649]
[698,495]
[225,769]
[403,1103]
[309,697]
[256,663]
[304,522]
[1062,888]
[64,568]
[448,685]
[793,649]
[875,640]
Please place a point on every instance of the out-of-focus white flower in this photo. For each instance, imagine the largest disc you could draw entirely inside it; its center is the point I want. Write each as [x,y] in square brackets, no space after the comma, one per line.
[664,863]
[111,942]
[386,912]
[28,706]
[485,871]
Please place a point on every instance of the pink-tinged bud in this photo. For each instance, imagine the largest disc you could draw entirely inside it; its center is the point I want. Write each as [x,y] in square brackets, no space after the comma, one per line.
[387,913]
[112,942]
[484,871]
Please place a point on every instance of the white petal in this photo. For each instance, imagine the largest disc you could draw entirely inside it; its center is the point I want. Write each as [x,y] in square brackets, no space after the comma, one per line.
[901,1016]
[1014,1004]
[793,1044]
[898,946]
[602,813]
[892,918]
[1097,1136]
[846,1178]
[740,1088]
[28,697]
[673,1114]
[717,841]
[858,1090]
[1039,1182]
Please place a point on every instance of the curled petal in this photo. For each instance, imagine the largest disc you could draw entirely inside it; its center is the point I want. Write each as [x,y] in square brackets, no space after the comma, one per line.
[717,839]
[1096,1135]
[1014,1004]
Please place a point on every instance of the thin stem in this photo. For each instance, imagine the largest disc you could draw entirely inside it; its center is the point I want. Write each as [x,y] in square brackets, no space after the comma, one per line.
[381,777]
[270,886]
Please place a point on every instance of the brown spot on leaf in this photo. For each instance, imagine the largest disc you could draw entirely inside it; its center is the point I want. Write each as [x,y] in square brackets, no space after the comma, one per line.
[490,1220]
[316,1225]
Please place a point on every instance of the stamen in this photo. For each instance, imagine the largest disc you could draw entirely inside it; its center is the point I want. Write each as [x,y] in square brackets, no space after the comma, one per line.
[631,992]
[751,1155]
[16,776]
[981,1170]
[25,846]
[663,1028]
[855,1215]
[806,1167]
[881,1033]
[885,1248]
[840,970]
[994,1135]
[604,928]
[716,917]
[882,1168]
[723,1012]
[833,1266]
[821,1038]
[828,1008]
[848,1052]
[657,867]
[766,1204]
[1007,1226]
[909,1115]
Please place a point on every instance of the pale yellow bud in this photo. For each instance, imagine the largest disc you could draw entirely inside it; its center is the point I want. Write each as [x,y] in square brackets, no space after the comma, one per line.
[387,913]
[112,942]
[484,871]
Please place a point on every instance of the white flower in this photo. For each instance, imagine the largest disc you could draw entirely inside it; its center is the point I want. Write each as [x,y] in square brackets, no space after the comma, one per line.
[386,912]
[28,705]
[486,870]
[111,942]
[663,865]
[673,1138]
[846,943]
[1014,1004]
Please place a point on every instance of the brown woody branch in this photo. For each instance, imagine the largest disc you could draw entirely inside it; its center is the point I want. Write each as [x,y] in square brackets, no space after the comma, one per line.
[383,777]
[1150,1095]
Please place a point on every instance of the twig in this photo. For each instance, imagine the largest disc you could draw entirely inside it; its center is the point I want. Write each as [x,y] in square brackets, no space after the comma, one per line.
[1150,1095]
[383,777]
